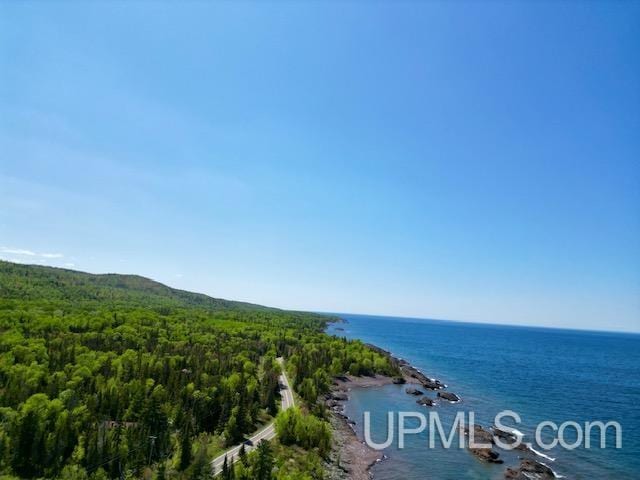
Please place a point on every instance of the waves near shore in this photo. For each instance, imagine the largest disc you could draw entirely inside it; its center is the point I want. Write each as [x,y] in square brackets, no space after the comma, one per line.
[491,369]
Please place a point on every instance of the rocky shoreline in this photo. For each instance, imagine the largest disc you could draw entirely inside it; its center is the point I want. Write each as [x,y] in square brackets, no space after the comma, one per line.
[353,459]
[350,459]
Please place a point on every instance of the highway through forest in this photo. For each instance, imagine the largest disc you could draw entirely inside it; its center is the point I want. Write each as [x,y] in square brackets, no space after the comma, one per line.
[267,433]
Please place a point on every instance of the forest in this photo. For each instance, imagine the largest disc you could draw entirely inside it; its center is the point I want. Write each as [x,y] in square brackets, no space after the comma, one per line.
[118,376]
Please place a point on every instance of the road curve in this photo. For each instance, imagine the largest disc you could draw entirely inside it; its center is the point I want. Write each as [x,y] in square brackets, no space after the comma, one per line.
[267,433]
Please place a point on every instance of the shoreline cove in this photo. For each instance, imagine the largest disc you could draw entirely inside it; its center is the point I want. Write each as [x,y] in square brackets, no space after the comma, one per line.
[358,458]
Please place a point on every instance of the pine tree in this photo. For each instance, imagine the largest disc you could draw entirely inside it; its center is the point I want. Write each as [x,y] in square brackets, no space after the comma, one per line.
[228,472]
[225,469]
[242,455]
[264,463]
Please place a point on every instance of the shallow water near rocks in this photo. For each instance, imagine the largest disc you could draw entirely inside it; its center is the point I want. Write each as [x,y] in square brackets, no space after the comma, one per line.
[542,374]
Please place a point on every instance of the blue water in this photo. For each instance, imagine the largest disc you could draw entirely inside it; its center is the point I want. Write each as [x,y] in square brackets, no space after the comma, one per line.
[542,374]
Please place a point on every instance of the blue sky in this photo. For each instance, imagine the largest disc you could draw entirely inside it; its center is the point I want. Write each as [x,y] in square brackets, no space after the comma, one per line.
[473,161]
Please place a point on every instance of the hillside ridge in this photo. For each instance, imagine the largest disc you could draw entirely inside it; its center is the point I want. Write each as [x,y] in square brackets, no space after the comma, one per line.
[42,282]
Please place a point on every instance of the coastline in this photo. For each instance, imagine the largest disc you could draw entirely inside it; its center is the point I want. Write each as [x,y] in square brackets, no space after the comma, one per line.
[353,458]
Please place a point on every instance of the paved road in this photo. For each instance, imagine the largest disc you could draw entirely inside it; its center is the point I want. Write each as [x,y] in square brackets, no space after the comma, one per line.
[267,433]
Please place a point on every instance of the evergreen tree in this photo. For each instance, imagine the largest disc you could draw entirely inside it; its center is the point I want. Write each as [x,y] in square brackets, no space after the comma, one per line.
[225,469]
[264,462]
[228,472]
[242,455]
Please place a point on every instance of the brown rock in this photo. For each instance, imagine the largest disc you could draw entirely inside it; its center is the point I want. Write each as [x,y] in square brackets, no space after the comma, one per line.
[452,397]
[426,401]
[486,455]
[529,470]
[414,391]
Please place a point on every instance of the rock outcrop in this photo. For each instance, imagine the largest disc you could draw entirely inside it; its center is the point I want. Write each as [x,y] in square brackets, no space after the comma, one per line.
[452,397]
[506,437]
[486,455]
[433,384]
[482,437]
[339,396]
[409,370]
[426,402]
[414,391]
[511,439]
[529,470]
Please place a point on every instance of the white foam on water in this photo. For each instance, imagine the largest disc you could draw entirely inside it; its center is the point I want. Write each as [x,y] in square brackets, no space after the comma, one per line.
[513,431]
[540,454]
[552,471]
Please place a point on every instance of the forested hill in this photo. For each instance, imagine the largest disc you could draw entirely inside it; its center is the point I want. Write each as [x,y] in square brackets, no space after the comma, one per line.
[118,376]
[35,282]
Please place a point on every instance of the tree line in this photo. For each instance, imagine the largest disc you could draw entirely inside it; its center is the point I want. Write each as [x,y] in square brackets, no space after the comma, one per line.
[125,378]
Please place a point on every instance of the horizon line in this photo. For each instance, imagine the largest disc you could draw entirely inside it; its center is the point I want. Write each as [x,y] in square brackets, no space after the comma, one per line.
[482,323]
[324,312]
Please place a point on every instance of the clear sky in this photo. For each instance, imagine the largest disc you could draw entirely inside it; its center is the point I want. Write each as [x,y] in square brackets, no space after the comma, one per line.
[473,161]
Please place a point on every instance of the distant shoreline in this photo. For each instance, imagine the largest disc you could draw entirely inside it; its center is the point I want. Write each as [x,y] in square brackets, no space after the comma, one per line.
[483,324]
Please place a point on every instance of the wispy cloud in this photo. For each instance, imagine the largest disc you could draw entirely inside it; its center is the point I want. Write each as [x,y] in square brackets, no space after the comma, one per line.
[22,252]
[18,251]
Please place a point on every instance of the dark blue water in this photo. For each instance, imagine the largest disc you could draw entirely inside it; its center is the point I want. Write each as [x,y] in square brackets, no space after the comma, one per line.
[542,374]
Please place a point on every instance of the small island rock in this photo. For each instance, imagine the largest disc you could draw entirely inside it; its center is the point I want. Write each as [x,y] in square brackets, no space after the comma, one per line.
[452,397]
[432,384]
[426,401]
[414,391]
